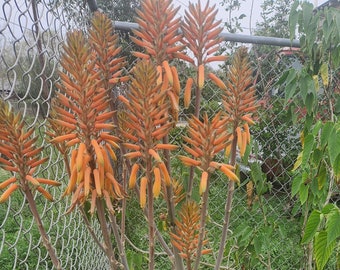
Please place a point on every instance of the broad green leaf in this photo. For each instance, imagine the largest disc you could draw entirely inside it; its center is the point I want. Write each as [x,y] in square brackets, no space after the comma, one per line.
[317,127]
[336,167]
[322,176]
[293,19]
[246,236]
[307,148]
[307,86]
[309,101]
[324,74]
[328,208]
[290,85]
[335,55]
[316,82]
[256,173]
[333,225]
[337,105]
[337,19]
[309,121]
[282,79]
[314,185]
[317,156]
[312,226]
[327,31]
[258,241]
[303,192]
[296,209]
[322,251]
[240,230]
[297,181]
[304,85]
[307,13]
[325,132]
[334,146]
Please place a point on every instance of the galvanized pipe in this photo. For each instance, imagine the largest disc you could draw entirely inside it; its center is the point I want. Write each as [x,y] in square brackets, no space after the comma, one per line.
[282,42]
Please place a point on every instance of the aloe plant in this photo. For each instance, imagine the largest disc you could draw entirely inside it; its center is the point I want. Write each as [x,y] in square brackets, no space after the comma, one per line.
[239,102]
[21,156]
[82,108]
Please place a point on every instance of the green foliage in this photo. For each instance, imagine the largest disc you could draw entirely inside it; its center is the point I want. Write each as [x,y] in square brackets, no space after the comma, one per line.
[274,18]
[119,10]
[233,23]
[317,165]
[323,227]
[320,39]
[312,93]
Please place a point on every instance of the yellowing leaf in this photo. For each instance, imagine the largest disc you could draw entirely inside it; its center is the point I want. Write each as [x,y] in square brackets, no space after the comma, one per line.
[297,162]
[324,74]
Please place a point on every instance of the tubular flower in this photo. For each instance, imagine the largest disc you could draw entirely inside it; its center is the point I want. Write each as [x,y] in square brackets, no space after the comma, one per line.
[185,238]
[201,36]
[205,140]
[91,68]
[158,34]
[239,98]
[146,123]
[20,155]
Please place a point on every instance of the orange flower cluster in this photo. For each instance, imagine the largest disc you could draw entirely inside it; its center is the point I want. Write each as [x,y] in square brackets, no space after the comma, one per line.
[206,139]
[20,155]
[158,31]
[147,123]
[185,239]
[201,33]
[158,34]
[82,105]
[201,36]
[239,96]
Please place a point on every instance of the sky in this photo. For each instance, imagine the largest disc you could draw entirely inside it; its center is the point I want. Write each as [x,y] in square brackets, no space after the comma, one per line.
[251,8]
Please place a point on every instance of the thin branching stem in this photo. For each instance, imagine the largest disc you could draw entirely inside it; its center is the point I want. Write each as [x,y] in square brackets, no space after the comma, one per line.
[197,114]
[151,221]
[121,250]
[105,232]
[90,229]
[44,236]
[203,218]
[159,236]
[171,207]
[231,188]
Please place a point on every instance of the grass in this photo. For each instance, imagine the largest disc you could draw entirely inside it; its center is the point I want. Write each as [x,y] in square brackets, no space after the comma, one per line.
[256,233]
[18,230]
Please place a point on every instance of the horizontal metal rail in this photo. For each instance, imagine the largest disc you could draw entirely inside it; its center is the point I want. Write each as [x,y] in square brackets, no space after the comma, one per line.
[282,42]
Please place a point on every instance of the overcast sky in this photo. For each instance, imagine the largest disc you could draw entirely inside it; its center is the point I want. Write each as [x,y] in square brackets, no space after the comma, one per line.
[251,8]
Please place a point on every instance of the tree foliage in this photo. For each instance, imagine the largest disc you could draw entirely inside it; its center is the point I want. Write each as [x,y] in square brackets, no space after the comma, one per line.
[313,92]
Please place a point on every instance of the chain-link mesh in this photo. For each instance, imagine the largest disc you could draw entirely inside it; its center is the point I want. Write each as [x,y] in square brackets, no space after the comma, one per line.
[31,34]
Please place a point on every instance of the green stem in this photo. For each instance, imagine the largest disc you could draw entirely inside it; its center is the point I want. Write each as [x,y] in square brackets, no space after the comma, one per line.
[202,225]
[308,260]
[171,208]
[197,114]
[106,235]
[44,236]
[231,188]
[90,229]
[118,238]
[150,215]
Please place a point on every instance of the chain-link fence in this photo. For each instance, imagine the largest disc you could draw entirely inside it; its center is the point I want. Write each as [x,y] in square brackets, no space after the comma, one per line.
[31,35]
